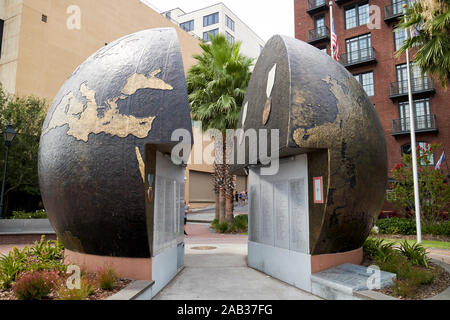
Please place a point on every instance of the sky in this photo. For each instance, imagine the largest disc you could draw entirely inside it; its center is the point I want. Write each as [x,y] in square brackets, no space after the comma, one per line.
[265,17]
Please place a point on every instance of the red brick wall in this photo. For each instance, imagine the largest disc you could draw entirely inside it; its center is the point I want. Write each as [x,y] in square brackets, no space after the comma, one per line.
[384,73]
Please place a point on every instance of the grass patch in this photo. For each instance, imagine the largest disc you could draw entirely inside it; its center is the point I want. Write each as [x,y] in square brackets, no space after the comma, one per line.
[425,243]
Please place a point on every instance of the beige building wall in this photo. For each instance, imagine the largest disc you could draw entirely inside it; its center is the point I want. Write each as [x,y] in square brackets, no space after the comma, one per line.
[37,57]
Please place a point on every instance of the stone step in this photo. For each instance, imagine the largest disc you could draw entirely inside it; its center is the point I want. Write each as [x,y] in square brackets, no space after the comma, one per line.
[341,282]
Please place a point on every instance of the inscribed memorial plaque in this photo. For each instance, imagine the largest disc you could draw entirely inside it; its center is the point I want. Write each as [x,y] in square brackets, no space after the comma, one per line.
[159,214]
[298,216]
[255,218]
[267,213]
[170,211]
[281,206]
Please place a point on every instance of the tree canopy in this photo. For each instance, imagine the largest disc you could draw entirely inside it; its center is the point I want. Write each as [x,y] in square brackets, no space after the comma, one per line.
[430,36]
[217,84]
[26,114]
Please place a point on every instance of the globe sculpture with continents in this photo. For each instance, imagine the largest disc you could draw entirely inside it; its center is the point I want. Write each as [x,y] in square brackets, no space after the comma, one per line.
[109,123]
[320,206]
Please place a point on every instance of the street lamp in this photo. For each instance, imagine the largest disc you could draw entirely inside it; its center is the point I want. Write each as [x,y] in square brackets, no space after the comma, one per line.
[8,135]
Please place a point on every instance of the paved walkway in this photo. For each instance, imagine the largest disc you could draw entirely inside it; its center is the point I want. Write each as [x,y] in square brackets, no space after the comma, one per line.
[202,233]
[208,215]
[439,254]
[222,274]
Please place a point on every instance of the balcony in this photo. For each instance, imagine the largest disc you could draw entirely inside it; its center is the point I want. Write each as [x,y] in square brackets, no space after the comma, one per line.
[318,35]
[315,6]
[358,57]
[394,11]
[341,2]
[426,123]
[421,85]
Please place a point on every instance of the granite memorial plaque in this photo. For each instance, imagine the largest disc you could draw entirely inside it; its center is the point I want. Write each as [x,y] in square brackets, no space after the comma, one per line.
[267,236]
[254,219]
[281,206]
[298,216]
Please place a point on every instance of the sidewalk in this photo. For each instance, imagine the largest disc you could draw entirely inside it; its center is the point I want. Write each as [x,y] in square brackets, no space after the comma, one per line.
[208,215]
[439,254]
[200,233]
[222,274]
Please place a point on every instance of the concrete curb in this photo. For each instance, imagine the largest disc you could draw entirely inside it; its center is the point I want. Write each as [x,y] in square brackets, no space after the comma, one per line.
[137,290]
[25,226]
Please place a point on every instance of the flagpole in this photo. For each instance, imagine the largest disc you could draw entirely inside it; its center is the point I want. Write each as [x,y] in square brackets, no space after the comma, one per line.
[331,26]
[413,141]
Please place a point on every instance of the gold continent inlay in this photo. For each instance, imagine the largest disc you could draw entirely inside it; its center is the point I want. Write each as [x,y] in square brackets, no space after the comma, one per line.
[83,119]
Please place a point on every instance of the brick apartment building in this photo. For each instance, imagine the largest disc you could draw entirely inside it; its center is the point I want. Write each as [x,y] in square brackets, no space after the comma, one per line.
[368,54]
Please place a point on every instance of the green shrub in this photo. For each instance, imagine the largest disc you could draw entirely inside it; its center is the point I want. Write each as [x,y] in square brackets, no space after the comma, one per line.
[404,288]
[11,265]
[396,264]
[397,226]
[43,255]
[408,227]
[223,227]
[35,285]
[107,279]
[419,276]
[437,229]
[241,222]
[415,253]
[39,214]
[87,288]
[371,246]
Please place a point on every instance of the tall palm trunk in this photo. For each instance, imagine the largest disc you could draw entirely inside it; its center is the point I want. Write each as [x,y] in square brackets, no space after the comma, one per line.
[220,174]
[216,177]
[228,184]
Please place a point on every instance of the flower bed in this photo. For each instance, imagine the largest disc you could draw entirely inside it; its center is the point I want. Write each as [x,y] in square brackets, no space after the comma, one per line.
[417,277]
[39,273]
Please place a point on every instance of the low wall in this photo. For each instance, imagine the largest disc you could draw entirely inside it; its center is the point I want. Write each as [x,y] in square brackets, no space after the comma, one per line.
[25,231]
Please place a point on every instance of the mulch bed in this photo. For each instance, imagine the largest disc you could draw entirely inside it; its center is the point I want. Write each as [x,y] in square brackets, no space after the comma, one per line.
[412,237]
[440,283]
[99,294]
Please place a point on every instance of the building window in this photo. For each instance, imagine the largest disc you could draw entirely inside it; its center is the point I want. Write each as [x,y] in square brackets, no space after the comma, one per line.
[319,26]
[422,115]
[399,39]
[229,37]
[366,80]
[187,26]
[213,33]
[211,19]
[44,18]
[406,149]
[229,22]
[2,24]
[419,82]
[397,6]
[359,48]
[356,15]
[169,15]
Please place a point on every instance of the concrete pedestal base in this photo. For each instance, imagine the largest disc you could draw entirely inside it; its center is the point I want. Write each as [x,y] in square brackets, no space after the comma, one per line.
[293,267]
[129,268]
[327,261]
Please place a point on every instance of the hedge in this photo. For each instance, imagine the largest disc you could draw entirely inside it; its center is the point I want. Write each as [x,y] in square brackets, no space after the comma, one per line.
[408,227]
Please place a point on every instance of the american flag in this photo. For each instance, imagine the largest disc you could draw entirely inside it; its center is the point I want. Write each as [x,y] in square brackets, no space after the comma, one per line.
[334,41]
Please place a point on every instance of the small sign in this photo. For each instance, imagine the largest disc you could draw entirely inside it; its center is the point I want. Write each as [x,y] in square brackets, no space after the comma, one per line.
[318,189]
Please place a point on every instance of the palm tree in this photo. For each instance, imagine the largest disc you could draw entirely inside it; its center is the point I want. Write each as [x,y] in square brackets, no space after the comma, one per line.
[430,20]
[216,86]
